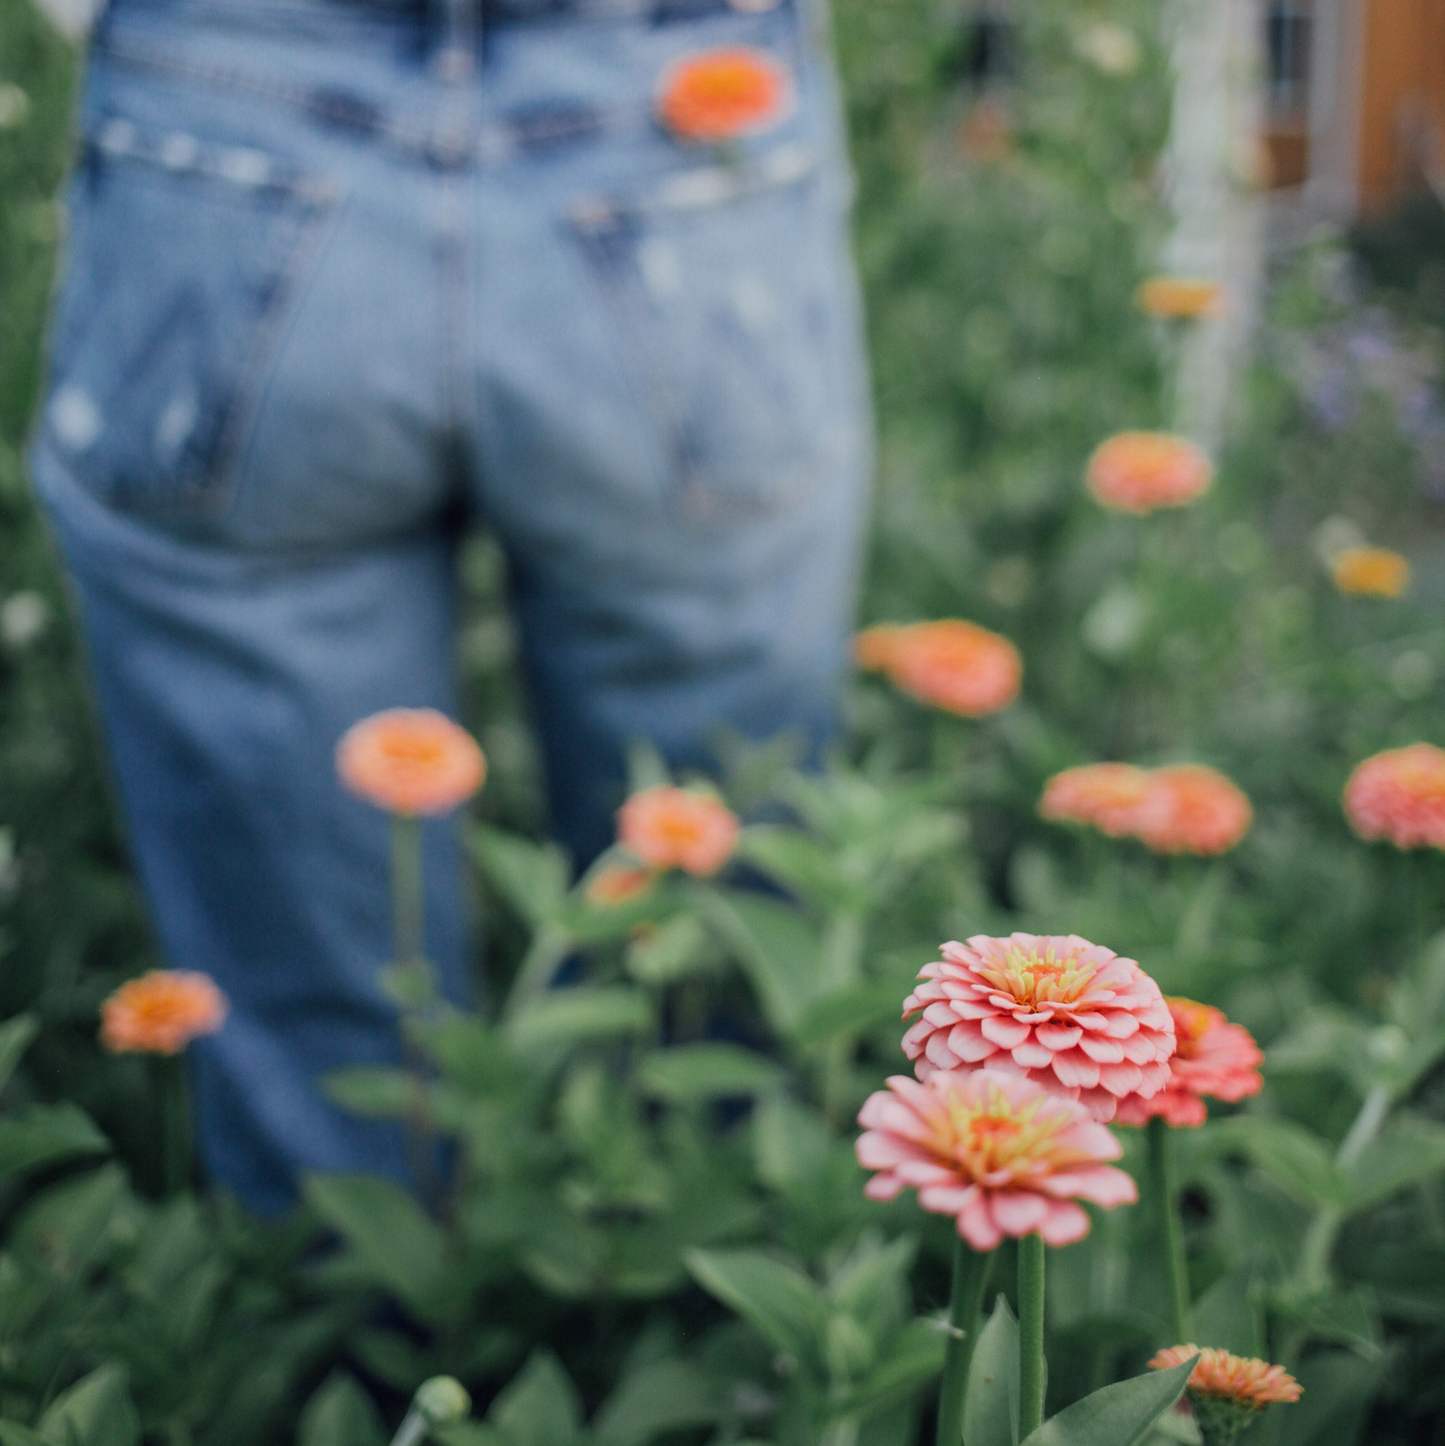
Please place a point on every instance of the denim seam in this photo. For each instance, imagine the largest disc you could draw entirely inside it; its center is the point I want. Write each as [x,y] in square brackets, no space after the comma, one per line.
[491,143]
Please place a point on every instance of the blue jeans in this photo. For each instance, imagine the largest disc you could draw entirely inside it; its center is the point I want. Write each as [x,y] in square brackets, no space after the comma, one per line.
[344,277]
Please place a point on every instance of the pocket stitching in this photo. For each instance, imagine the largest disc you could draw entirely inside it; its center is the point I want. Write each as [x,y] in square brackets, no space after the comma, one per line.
[692,191]
[180,154]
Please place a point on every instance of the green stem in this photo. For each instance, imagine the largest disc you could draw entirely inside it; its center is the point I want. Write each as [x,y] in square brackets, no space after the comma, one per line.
[176,1166]
[1031,1335]
[407,907]
[1165,1191]
[549,947]
[970,1280]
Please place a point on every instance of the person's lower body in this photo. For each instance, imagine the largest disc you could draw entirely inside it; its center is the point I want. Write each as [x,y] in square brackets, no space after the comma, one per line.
[342,277]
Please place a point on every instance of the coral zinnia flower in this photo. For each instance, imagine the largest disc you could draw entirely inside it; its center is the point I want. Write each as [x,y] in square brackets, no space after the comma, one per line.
[949,664]
[676,828]
[1071,1015]
[615,884]
[1371,572]
[161,1012]
[1228,1392]
[411,761]
[1141,471]
[723,93]
[998,1152]
[1190,809]
[1181,298]
[1105,795]
[1211,1057]
[1399,795]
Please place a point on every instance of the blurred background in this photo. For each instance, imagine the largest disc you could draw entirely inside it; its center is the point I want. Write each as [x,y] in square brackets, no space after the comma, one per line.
[1022,167]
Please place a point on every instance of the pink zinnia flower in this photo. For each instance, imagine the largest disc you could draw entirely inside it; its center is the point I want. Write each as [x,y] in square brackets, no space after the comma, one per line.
[1399,796]
[1191,809]
[1071,1015]
[994,1150]
[678,828]
[1227,1392]
[1211,1057]
[948,663]
[1105,795]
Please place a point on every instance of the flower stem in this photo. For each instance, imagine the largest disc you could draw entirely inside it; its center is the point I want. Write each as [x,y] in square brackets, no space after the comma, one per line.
[406,888]
[970,1280]
[1031,1334]
[176,1168]
[1166,1208]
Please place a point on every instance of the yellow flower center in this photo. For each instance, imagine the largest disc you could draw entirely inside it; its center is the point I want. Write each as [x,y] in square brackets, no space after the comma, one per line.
[1033,977]
[984,1138]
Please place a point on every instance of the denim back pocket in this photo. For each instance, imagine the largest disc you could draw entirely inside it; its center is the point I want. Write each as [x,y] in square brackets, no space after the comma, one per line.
[734,298]
[181,259]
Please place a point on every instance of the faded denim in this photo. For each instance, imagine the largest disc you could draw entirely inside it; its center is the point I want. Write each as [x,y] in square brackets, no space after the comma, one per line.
[344,277]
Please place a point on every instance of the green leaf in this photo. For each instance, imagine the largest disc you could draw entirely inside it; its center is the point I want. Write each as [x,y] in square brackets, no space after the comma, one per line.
[1228,1317]
[96,1411]
[340,1413]
[778,948]
[691,1073]
[1339,1387]
[12,1433]
[531,877]
[384,1094]
[847,1011]
[799,862]
[666,1395]
[539,1407]
[1413,1149]
[401,1246]
[914,1358]
[15,1037]
[990,1414]
[1297,1160]
[42,1134]
[779,1301]
[674,950]
[571,1016]
[1118,1415]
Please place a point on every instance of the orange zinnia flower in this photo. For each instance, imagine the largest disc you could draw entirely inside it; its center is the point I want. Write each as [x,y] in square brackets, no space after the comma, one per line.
[1211,1057]
[1371,572]
[950,664]
[996,1151]
[1181,298]
[725,93]
[677,828]
[161,1012]
[1399,796]
[1142,471]
[411,761]
[1228,1392]
[1105,795]
[1190,809]
[1069,1014]
[615,884]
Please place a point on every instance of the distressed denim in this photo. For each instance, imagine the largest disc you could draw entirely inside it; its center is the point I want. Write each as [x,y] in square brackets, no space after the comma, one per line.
[344,278]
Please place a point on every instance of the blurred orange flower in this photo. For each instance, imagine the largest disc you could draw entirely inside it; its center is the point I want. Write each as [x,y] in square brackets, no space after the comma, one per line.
[161,1012]
[1371,572]
[1142,471]
[950,664]
[1105,795]
[677,828]
[986,133]
[1399,796]
[615,884]
[1181,298]
[724,93]
[411,761]
[1243,1379]
[1211,1057]
[1191,809]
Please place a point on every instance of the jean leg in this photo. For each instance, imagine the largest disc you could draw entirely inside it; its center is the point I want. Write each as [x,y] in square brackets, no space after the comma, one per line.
[224,680]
